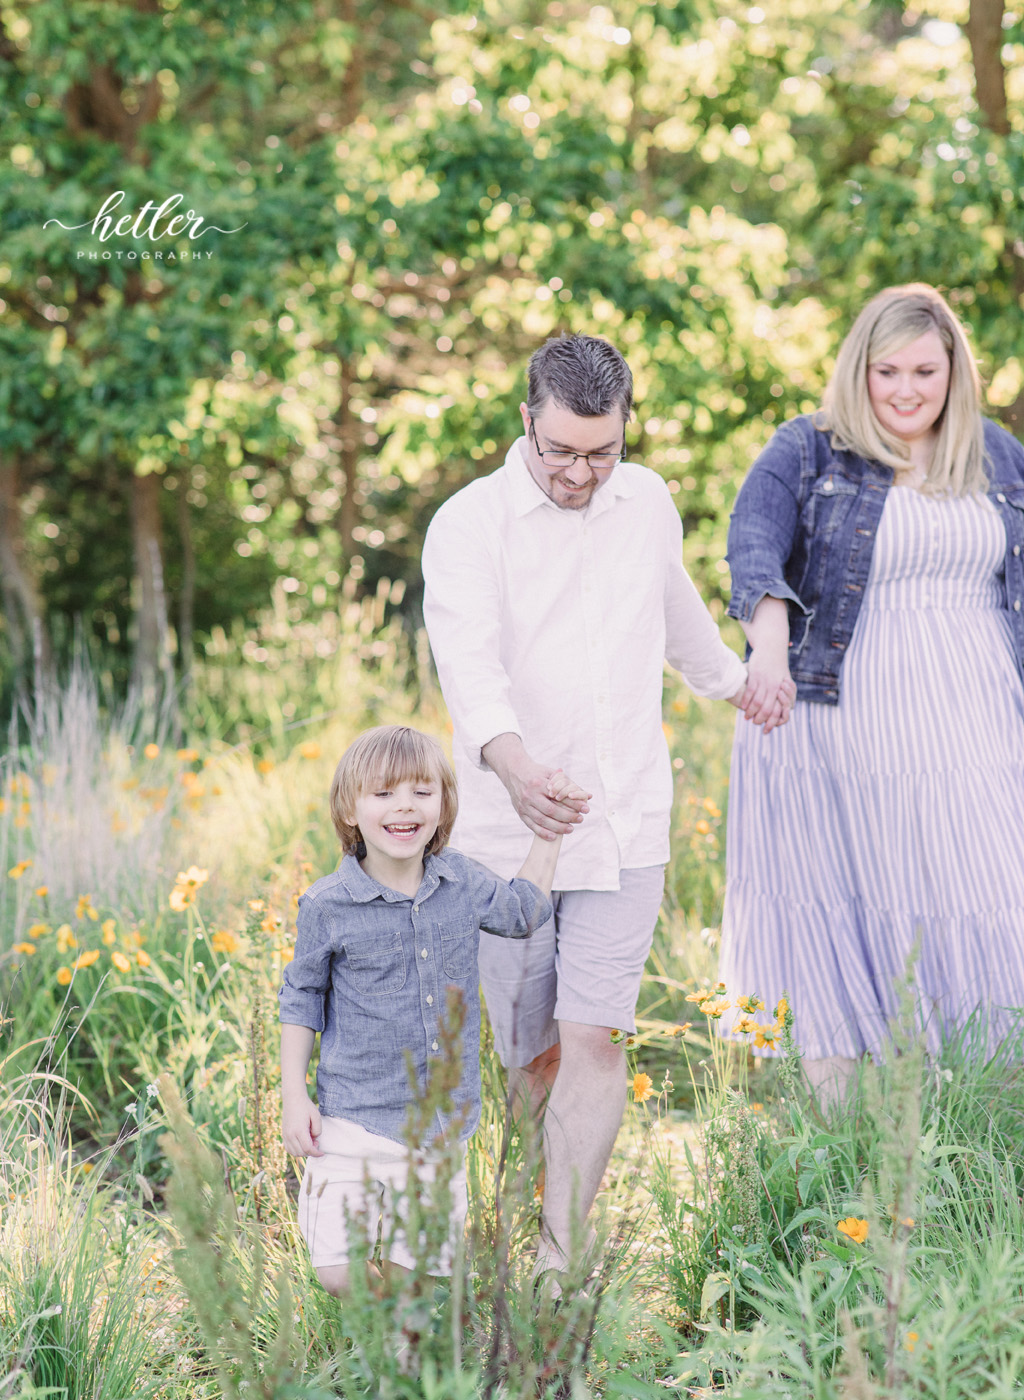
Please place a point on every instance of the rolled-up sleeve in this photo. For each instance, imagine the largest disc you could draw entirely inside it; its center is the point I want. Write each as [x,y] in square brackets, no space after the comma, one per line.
[508,908]
[763,525]
[302,997]
[462,610]
[693,643]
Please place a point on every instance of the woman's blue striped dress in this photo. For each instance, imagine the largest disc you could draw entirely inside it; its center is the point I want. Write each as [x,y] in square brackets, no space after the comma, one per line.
[898,814]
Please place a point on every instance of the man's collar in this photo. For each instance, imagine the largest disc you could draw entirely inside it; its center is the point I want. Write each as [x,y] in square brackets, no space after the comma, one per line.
[527,495]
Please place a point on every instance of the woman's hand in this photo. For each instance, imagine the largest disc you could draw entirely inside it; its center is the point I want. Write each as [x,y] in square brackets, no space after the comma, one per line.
[771,691]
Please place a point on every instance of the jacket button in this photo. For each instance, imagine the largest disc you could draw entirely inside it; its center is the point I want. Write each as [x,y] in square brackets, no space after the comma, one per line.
[1016,549]
[829,485]
[1016,605]
[1000,497]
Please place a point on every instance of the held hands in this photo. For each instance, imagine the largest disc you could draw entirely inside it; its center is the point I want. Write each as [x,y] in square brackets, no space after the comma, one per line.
[301,1127]
[545,799]
[770,690]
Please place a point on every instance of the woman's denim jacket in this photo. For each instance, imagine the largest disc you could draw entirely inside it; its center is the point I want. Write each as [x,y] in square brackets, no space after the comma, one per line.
[803,528]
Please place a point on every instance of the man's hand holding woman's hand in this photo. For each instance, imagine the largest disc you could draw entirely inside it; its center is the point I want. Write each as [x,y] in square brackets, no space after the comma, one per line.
[770,691]
[545,799]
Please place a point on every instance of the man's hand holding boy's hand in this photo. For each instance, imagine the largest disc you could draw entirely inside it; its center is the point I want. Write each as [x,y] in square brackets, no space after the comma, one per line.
[301,1127]
[561,788]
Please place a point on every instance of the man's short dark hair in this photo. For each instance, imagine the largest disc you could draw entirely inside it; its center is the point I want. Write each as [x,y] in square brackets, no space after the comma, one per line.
[582,373]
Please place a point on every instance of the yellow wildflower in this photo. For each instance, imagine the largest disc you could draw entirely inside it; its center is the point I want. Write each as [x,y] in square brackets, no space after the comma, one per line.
[66,938]
[714,1007]
[143,958]
[63,976]
[666,729]
[42,891]
[310,749]
[109,936]
[17,871]
[711,807]
[27,948]
[698,997]
[180,899]
[87,959]
[187,755]
[37,930]
[120,962]
[746,1025]
[265,765]
[84,908]
[767,1037]
[152,750]
[257,906]
[750,1004]
[87,1167]
[643,1087]
[782,1010]
[909,1340]
[719,989]
[677,1031]
[286,955]
[856,1229]
[224,941]
[703,827]
[757,1108]
[616,1037]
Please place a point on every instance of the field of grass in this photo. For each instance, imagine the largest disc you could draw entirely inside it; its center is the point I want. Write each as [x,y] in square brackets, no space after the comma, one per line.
[752,1247]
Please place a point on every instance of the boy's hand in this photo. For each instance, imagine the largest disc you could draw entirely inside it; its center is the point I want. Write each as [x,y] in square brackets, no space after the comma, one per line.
[301,1127]
[561,788]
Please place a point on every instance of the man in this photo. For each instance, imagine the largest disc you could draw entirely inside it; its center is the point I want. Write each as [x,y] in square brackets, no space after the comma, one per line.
[555,590]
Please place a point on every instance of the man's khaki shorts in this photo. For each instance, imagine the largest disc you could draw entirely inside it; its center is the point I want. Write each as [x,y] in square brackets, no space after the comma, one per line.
[360,1178]
[584,965]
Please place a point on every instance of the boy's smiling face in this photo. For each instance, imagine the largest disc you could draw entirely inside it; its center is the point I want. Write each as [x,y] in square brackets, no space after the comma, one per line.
[396,823]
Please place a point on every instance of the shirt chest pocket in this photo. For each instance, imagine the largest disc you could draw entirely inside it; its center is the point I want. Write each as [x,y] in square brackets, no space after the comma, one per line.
[376,964]
[459,942]
[828,504]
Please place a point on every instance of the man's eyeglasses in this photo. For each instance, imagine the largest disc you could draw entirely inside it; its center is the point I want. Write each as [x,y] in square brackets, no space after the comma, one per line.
[564,460]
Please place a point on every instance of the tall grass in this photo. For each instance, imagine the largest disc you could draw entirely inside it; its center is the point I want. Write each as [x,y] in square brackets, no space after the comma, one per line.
[161,1224]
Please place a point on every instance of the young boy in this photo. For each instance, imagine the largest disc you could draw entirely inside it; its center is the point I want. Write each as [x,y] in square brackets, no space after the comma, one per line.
[379,942]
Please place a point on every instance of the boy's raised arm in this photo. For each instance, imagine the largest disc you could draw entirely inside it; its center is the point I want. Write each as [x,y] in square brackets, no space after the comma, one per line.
[300,1117]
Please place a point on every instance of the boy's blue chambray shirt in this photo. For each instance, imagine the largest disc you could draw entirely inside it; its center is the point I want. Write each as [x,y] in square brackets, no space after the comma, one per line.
[803,529]
[371,971]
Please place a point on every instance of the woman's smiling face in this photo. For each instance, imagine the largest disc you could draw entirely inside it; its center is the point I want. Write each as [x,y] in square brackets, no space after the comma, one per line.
[908,388]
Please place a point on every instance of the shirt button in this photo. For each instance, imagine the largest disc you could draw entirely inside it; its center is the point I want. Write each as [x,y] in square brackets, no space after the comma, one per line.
[1016,605]
[430,1001]
[433,1045]
[423,952]
[415,908]
[1000,497]
[1016,549]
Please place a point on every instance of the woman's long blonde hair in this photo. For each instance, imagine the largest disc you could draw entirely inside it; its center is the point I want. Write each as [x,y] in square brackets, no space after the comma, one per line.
[890,321]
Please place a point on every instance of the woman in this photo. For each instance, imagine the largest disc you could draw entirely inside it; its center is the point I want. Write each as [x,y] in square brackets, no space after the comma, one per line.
[877,556]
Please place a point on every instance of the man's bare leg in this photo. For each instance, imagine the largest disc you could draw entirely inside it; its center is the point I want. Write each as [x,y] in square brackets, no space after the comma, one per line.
[581,1122]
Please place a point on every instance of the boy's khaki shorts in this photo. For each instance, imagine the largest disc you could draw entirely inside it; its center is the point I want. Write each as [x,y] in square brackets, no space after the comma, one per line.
[361,1178]
[583,965]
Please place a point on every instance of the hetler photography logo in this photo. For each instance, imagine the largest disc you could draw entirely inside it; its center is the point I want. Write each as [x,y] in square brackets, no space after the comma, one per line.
[146,223]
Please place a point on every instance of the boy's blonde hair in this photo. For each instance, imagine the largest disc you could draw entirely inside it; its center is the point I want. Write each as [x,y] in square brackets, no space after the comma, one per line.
[388,755]
[890,321]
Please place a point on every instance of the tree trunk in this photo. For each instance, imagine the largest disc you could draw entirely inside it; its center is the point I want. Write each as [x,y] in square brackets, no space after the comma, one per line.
[985,34]
[186,602]
[23,603]
[152,657]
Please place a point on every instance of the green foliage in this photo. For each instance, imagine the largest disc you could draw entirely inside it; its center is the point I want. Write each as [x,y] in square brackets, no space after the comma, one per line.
[421,197]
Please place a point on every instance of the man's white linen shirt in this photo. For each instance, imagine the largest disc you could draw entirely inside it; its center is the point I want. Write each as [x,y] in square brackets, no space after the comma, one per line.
[554,624]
